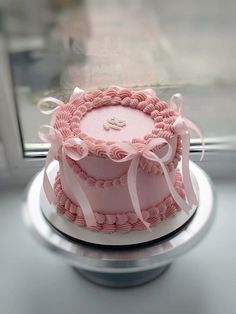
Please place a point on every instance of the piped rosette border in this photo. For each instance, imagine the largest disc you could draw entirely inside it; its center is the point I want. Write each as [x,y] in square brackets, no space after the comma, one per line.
[146,165]
[67,117]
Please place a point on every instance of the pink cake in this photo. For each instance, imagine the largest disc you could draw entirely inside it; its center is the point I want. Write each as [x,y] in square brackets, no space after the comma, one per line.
[118,151]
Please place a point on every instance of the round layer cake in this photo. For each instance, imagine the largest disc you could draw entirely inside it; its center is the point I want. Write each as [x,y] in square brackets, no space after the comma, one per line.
[118,151]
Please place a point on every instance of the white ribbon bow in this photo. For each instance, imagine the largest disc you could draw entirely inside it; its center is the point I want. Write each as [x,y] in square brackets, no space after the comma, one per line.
[66,148]
[77,93]
[132,153]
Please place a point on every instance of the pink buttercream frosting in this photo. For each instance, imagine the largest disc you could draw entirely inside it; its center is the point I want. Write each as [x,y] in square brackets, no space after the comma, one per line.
[118,222]
[145,164]
[70,116]
[118,151]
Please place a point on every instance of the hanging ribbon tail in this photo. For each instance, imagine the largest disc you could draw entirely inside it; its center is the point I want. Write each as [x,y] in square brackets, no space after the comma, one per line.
[48,189]
[53,118]
[178,199]
[152,156]
[54,138]
[132,186]
[188,186]
[193,126]
[72,182]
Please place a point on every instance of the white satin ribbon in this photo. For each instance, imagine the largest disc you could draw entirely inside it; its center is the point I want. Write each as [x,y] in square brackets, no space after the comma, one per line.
[131,153]
[77,93]
[181,126]
[147,91]
[66,148]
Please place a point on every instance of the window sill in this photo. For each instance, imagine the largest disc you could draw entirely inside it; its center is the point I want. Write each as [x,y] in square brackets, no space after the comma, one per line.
[212,288]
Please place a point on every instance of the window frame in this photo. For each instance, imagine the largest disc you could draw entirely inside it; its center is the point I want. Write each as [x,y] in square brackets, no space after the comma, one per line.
[22,166]
[18,166]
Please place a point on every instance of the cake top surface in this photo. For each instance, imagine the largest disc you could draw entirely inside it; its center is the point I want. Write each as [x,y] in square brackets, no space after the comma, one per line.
[101,118]
[116,123]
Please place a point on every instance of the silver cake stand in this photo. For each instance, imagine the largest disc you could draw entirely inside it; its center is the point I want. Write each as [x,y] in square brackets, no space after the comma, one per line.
[128,265]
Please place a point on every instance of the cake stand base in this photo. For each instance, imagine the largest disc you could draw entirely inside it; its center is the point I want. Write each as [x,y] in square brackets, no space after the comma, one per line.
[128,265]
[127,280]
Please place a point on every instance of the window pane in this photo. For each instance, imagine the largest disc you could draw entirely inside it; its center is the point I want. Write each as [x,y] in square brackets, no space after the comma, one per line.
[172,46]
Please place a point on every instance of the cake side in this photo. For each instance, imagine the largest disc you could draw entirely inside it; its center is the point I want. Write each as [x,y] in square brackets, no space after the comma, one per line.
[105,182]
[118,221]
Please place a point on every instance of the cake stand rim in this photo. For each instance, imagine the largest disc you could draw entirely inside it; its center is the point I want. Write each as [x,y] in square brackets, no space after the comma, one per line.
[150,256]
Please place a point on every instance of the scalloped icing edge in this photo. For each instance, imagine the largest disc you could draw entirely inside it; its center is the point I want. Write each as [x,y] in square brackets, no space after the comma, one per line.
[68,116]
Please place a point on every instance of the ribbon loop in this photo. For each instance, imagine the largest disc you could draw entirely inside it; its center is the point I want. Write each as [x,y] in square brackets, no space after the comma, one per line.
[155,143]
[75,148]
[173,104]
[52,137]
[77,93]
[46,100]
[184,123]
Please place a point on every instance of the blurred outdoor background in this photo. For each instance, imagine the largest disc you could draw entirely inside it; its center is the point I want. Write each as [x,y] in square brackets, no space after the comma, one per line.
[185,46]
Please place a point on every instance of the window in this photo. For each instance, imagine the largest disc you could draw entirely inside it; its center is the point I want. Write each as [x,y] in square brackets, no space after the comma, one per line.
[49,47]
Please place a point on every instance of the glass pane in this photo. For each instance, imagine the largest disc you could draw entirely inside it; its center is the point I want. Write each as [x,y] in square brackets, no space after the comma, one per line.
[185,46]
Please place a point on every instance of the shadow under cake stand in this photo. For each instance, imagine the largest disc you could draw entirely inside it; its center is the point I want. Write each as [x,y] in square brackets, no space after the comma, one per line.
[124,265]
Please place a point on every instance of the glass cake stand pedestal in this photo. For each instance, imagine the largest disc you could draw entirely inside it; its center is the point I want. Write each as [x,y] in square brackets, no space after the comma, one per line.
[128,265]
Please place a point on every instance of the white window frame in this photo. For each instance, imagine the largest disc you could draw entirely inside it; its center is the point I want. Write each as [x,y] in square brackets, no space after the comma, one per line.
[220,157]
[19,168]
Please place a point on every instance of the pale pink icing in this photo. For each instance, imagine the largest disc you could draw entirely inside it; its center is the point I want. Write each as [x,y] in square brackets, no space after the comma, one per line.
[93,169]
[117,222]
[105,181]
[92,180]
[102,193]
